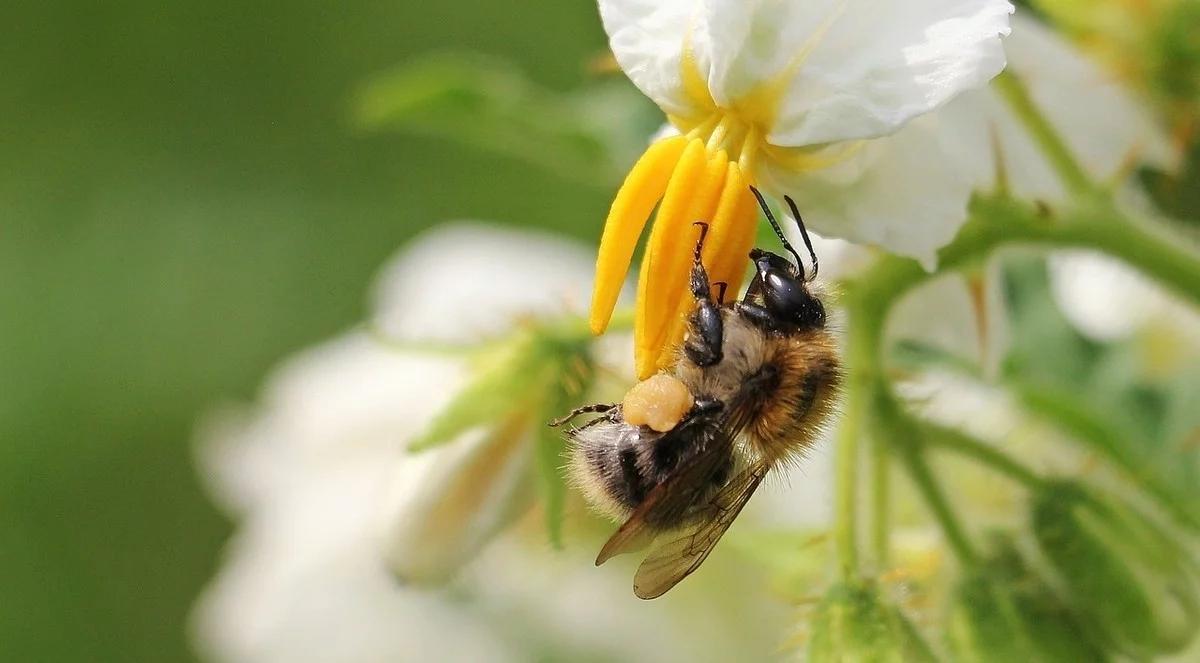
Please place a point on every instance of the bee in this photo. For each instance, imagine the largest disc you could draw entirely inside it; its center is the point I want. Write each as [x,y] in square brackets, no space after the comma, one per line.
[752,386]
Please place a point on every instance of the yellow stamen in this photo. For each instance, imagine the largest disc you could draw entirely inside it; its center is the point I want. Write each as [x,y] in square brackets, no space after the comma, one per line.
[691,196]
[626,219]
[703,175]
[726,248]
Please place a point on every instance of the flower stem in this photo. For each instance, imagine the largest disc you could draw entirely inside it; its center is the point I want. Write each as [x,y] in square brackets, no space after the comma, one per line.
[1055,149]
[880,501]
[891,419]
[998,221]
[966,445]
[922,476]
[861,356]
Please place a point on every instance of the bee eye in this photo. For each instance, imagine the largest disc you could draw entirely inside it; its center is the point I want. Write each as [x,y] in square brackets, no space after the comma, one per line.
[788,299]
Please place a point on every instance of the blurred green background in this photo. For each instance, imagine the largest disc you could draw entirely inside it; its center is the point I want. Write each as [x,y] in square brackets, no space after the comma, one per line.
[183,201]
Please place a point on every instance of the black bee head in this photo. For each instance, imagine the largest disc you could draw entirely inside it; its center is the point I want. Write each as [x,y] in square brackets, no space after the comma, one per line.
[785,293]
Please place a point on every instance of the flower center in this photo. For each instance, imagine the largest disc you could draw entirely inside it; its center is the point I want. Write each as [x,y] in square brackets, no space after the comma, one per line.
[728,131]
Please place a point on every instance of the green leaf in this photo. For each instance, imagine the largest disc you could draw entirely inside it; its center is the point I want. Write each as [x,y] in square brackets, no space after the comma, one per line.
[488,104]
[502,380]
[1132,584]
[1055,630]
[984,624]
[571,373]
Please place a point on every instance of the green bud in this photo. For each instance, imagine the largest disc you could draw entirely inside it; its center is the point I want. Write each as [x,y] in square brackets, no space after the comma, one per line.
[1055,631]
[1133,585]
[854,625]
[984,624]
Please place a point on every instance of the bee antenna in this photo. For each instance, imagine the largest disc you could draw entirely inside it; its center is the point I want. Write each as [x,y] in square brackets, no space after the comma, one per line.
[779,231]
[803,233]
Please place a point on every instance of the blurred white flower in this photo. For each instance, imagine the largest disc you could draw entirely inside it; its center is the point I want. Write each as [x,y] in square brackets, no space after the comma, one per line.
[1108,301]
[328,503]
[1104,124]
[769,93]
[326,494]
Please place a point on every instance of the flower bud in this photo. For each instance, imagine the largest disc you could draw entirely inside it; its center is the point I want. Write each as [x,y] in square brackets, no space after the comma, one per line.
[472,470]
[1133,585]
[1051,626]
[853,623]
[984,625]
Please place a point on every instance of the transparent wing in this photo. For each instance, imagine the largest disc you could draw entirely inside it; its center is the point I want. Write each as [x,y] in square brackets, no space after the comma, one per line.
[674,560]
[671,499]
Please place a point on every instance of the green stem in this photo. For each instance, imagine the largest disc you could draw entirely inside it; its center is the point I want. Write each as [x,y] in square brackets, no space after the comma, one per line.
[880,500]
[891,419]
[999,221]
[922,476]
[861,355]
[966,445]
[1055,149]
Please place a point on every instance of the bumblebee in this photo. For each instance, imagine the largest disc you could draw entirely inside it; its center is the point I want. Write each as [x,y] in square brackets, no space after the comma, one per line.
[752,386]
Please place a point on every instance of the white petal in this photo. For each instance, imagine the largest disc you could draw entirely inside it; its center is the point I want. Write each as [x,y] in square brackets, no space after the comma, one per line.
[447,503]
[946,314]
[902,193]
[872,66]
[348,397]
[1109,301]
[1105,126]
[854,68]
[464,281]
[647,38]
[304,579]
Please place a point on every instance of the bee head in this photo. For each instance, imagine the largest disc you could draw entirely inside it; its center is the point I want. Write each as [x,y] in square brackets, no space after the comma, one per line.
[785,293]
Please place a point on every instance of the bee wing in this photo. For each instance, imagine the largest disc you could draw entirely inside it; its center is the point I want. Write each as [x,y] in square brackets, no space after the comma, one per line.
[668,501]
[674,560]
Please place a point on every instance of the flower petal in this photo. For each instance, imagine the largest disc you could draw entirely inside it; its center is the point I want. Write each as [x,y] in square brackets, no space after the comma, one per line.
[850,68]
[463,281]
[647,38]
[1067,88]
[902,193]
[883,63]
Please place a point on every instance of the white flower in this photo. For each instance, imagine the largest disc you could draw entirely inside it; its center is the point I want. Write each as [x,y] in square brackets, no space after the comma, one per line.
[1108,301]
[328,504]
[767,93]
[910,189]
[955,147]
[332,507]
[1104,124]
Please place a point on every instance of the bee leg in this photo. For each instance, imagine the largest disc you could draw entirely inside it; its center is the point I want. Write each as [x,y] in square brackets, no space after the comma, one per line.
[599,408]
[706,330]
[758,316]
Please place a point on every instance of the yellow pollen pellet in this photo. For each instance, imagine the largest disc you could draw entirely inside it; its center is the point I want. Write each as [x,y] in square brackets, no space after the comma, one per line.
[659,402]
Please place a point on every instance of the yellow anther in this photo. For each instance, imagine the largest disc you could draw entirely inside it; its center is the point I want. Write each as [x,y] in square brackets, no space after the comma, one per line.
[626,218]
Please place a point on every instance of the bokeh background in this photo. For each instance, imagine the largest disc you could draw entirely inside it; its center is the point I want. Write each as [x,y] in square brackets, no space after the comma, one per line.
[192,191]
[184,200]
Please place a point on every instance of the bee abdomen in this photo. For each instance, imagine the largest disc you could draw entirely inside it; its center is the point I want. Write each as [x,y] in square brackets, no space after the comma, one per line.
[616,464]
